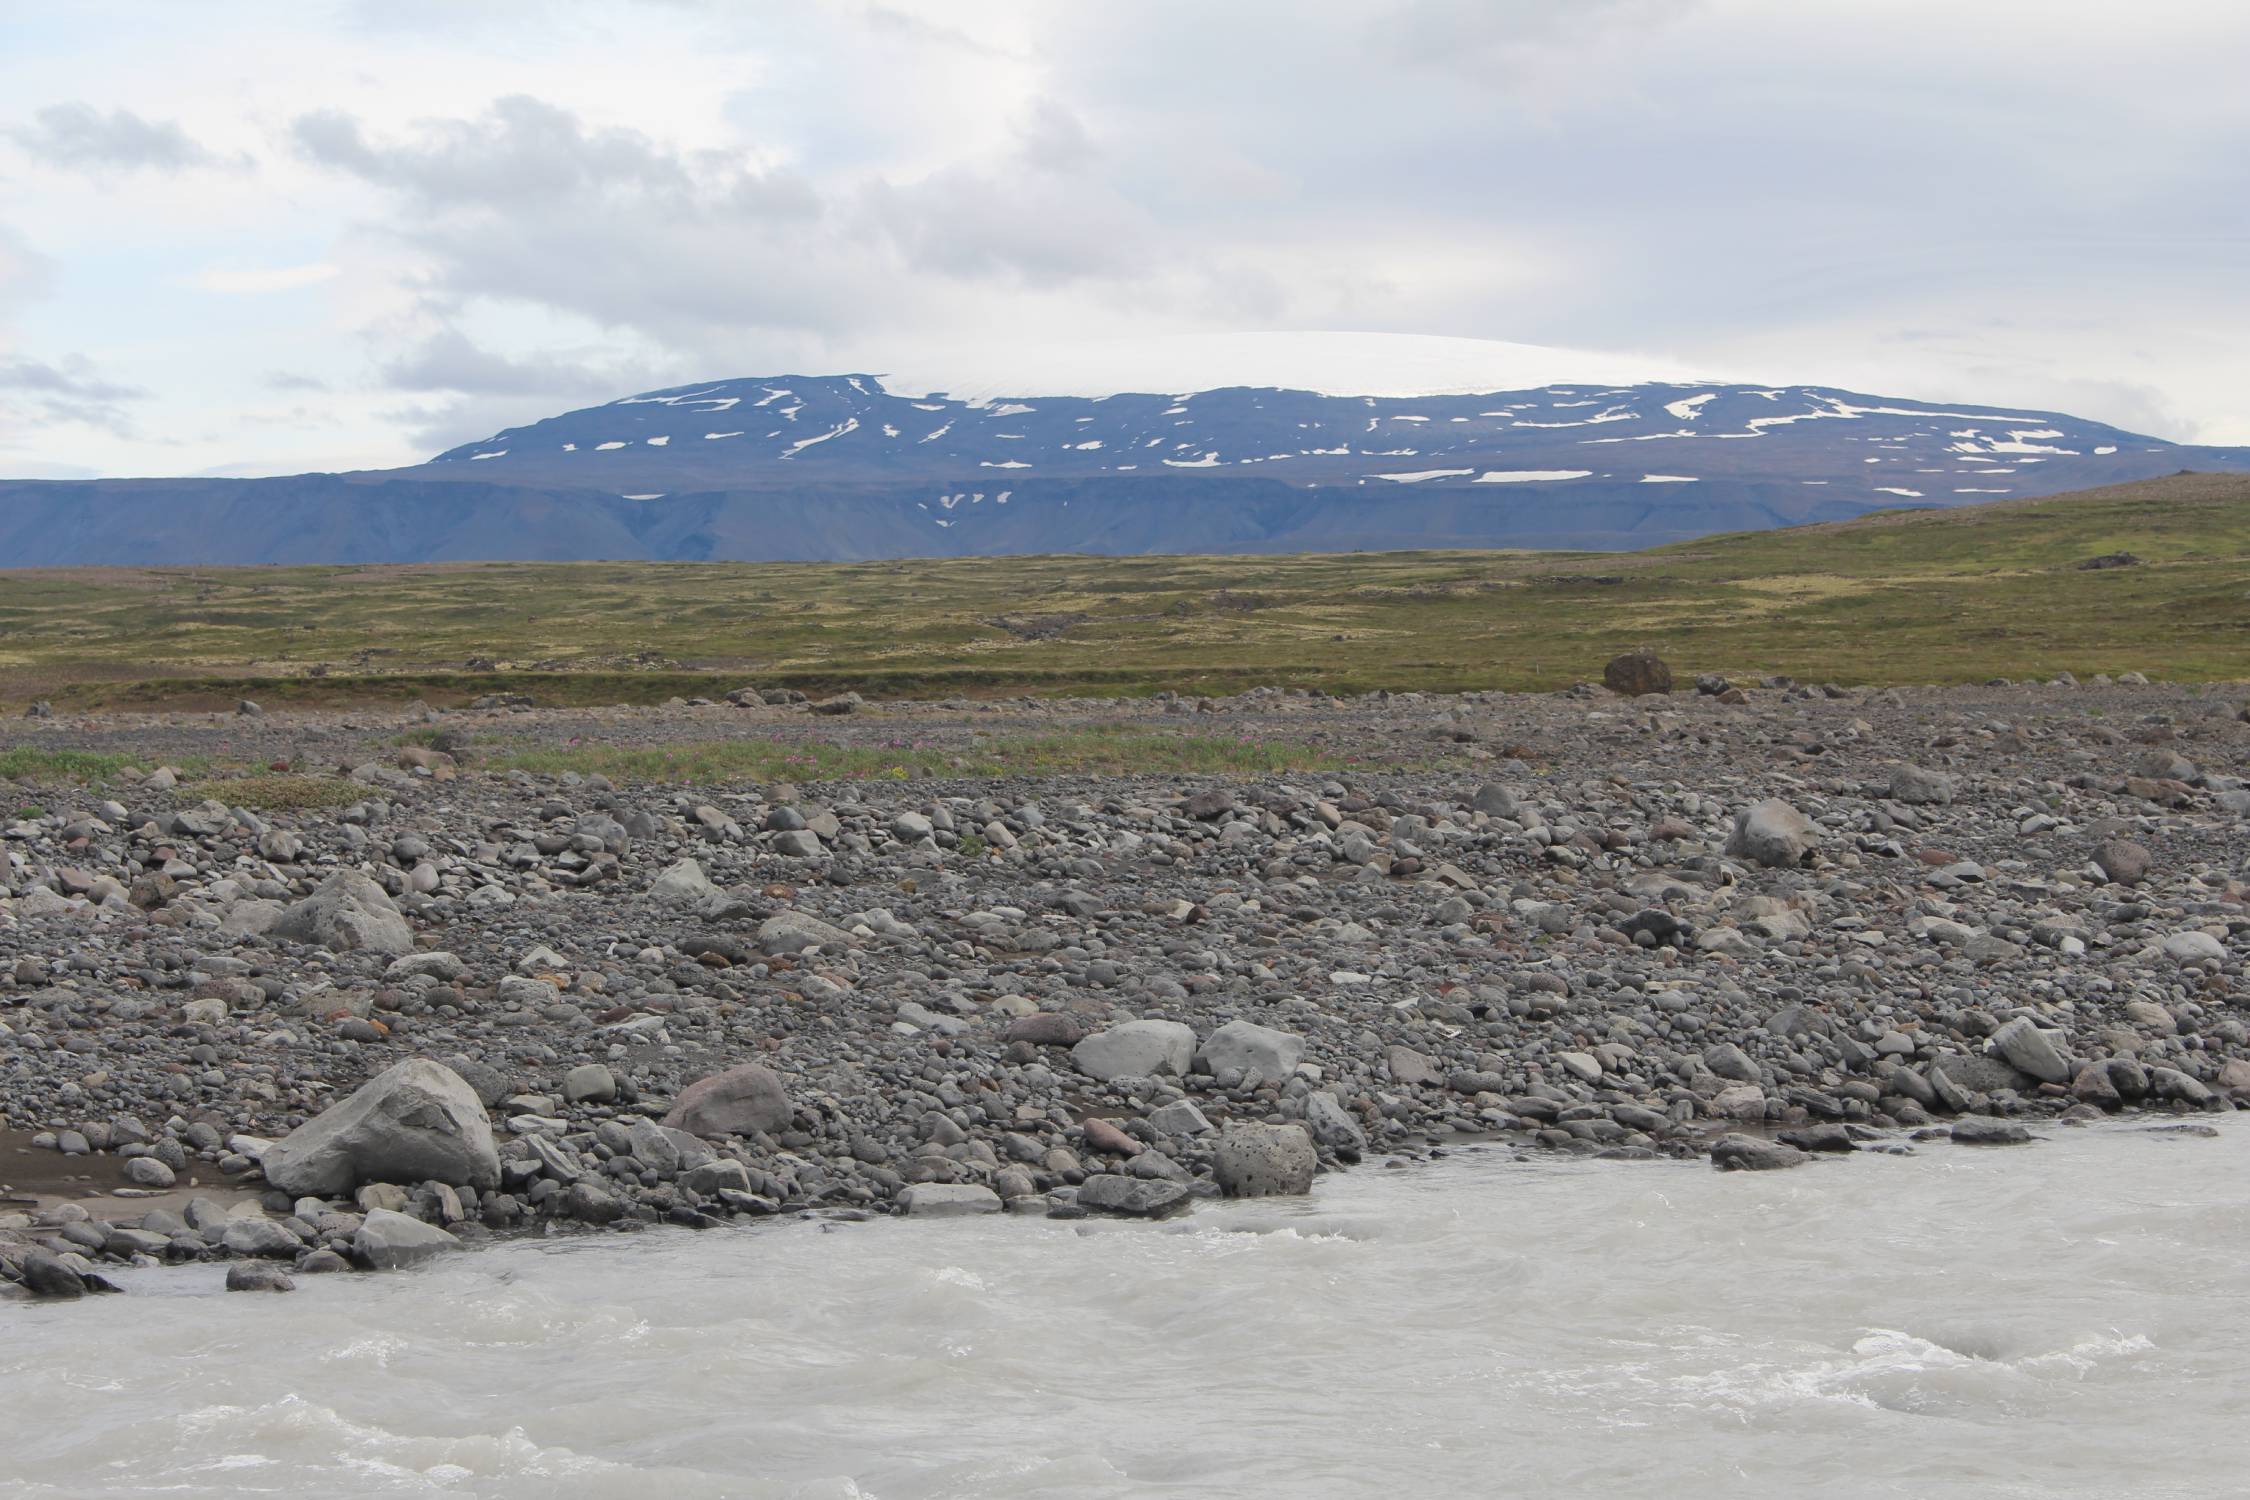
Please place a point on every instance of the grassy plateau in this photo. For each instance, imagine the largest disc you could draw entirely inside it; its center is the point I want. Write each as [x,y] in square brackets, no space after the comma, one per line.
[1904,596]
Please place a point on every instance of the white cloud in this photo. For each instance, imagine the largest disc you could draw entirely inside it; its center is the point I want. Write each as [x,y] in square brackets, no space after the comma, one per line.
[460,217]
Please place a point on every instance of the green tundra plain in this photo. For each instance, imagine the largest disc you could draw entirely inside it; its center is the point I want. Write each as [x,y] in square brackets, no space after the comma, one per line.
[1947,596]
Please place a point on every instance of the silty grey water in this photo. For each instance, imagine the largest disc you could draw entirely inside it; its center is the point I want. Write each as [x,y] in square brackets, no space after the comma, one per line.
[2060,1319]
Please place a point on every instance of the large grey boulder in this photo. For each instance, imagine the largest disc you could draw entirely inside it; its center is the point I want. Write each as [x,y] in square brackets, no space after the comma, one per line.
[683,884]
[490,1084]
[46,1274]
[2030,1050]
[1133,1197]
[1496,800]
[668,1150]
[1247,1047]
[794,932]
[1731,1062]
[2111,1082]
[2171,1083]
[1409,1068]
[720,1175]
[1978,1075]
[249,918]
[1263,1161]
[1045,1028]
[250,1234]
[1180,1117]
[2123,861]
[1333,1126]
[416,1122]
[743,1100]
[1136,1049]
[1749,1153]
[444,967]
[1921,787]
[2193,947]
[347,913]
[258,1276]
[1773,833]
[388,1241]
[948,1200]
[590,1081]
[1979,1130]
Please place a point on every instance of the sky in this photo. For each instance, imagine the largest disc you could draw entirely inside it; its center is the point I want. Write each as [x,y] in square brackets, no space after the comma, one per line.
[256,238]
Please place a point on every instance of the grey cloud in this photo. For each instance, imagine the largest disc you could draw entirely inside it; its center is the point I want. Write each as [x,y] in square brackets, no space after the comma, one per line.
[525,151]
[884,18]
[1657,173]
[1510,35]
[1053,139]
[526,203]
[684,280]
[1801,183]
[1043,213]
[434,426]
[77,135]
[289,380]
[33,391]
[73,378]
[1046,229]
[449,361]
[483,392]
[25,274]
[296,417]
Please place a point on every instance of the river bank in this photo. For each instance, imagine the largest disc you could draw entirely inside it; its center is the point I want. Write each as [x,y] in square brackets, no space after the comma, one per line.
[989,964]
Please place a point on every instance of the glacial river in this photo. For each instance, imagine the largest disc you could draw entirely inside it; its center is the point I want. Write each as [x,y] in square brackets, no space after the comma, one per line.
[2069,1318]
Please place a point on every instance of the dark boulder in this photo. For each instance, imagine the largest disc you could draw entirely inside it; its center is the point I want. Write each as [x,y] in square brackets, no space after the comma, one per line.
[1637,673]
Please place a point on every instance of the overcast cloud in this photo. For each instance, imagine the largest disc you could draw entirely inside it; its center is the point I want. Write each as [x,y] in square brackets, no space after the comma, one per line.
[76,135]
[262,239]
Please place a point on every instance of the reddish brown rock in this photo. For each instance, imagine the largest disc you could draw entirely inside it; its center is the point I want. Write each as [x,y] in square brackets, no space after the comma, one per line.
[1103,1136]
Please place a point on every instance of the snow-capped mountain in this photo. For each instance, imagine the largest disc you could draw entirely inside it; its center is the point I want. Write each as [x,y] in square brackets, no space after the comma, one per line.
[1561,440]
[1266,443]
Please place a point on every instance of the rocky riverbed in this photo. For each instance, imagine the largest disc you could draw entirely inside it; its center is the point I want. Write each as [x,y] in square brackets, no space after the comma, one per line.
[1756,922]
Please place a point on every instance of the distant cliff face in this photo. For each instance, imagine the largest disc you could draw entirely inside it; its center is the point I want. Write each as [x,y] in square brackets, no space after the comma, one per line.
[839,467]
